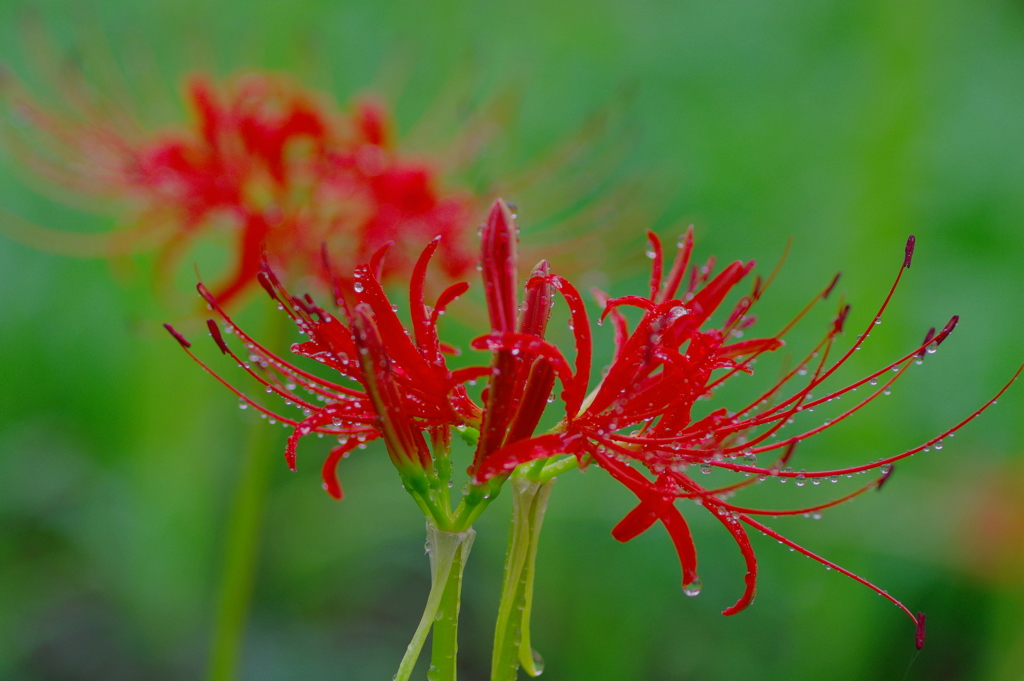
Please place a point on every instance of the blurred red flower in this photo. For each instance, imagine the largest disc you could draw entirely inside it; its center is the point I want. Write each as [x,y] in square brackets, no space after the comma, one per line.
[280,167]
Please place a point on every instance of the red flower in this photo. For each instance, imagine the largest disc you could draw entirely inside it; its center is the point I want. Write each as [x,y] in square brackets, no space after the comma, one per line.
[642,412]
[407,388]
[407,392]
[640,417]
[281,168]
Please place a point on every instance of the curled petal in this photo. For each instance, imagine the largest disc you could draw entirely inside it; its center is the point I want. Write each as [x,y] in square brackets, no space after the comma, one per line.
[329,471]
[527,346]
[636,522]
[654,504]
[508,457]
[576,391]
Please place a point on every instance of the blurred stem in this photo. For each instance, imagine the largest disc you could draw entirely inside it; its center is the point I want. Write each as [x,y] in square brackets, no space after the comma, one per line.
[242,542]
[512,632]
[448,553]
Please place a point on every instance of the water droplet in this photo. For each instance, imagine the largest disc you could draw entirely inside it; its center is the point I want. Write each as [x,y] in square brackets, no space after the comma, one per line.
[693,588]
[676,312]
[538,663]
[358,286]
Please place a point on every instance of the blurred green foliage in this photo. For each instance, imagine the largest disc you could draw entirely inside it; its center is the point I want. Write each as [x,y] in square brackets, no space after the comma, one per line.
[844,125]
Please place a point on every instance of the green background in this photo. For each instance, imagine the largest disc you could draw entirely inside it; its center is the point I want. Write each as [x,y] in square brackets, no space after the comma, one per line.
[844,125]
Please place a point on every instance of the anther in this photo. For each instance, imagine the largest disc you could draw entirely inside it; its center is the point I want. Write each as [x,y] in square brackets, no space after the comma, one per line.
[841,319]
[909,251]
[885,478]
[928,337]
[947,329]
[264,279]
[177,336]
[217,337]
[828,291]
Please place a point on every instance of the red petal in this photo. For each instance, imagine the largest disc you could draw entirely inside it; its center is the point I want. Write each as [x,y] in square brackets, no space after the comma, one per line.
[577,390]
[508,457]
[636,522]
[329,471]
[499,261]
[682,261]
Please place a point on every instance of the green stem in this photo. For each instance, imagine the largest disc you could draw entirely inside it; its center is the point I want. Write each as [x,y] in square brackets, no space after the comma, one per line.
[448,553]
[551,470]
[512,632]
[445,635]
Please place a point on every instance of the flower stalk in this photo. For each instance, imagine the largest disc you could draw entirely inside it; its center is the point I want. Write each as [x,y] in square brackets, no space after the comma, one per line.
[512,647]
[448,553]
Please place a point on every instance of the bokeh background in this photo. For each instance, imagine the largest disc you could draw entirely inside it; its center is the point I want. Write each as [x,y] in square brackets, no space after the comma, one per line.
[844,125]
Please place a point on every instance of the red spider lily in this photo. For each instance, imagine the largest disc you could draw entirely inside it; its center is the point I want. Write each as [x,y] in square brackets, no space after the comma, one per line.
[407,390]
[661,369]
[285,171]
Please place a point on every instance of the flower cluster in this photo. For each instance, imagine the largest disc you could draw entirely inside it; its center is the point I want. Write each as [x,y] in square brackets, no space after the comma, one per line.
[642,417]
[280,168]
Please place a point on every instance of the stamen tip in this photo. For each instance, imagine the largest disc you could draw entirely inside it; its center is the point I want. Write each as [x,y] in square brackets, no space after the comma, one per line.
[264,280]
[885,478]
[177,336]
[947,329]
[831,287]
[217,337]
[909,251]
